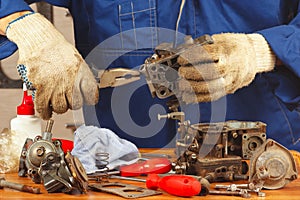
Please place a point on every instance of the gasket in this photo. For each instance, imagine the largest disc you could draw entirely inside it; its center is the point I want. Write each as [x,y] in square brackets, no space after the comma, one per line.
[124,190]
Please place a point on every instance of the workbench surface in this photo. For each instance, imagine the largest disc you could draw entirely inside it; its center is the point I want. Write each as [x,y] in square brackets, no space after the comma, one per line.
[290,191]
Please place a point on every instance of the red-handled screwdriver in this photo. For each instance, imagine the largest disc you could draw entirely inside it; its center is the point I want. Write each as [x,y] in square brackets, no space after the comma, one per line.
[178,185]
[151,166]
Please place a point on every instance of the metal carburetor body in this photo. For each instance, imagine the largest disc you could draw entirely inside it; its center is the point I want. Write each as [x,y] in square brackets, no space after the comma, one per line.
[218,150]
[222,152]
[45,162]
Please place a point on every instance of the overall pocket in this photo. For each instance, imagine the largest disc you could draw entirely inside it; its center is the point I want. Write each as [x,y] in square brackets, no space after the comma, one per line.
[137,24]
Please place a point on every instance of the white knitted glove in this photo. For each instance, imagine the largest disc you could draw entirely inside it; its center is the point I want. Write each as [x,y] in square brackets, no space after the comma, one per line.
[51,66]
[211,71]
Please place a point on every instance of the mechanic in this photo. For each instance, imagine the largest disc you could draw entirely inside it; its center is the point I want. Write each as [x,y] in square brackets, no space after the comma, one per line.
[255,54]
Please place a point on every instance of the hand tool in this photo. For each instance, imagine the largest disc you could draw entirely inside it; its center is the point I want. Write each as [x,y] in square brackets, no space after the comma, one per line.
[19,187]
[117,77]
[178,185]
[151,166]
[154,155]
[154,165]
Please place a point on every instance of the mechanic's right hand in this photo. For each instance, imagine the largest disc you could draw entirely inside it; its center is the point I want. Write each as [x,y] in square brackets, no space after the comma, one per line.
[51,66]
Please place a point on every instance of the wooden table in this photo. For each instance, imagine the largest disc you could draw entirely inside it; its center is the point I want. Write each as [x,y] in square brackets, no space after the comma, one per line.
[290,192]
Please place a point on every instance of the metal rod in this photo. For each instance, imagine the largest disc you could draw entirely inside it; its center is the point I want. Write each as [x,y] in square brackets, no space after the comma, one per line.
[19,187]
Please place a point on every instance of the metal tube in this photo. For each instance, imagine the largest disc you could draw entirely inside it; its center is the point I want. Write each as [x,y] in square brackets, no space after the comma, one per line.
[19,187]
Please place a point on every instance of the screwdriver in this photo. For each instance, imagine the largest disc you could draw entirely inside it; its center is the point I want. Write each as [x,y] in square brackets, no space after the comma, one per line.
[178,185]
[151,166]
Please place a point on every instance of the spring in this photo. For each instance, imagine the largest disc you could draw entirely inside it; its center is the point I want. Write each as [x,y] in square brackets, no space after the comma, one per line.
[102,161]
[101,164]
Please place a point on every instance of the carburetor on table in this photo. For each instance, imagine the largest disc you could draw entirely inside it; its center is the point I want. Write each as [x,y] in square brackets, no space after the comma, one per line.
[220,152]
[45,162]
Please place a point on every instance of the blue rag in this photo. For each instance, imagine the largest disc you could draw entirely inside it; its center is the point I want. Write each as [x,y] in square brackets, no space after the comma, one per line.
[91,143]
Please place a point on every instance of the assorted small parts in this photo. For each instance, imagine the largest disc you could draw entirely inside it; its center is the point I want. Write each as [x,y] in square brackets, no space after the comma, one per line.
[244,190]
[271,165]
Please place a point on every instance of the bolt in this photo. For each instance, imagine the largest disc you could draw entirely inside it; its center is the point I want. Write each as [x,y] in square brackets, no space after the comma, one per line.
[242,187]
[242,193]
[19,187]
[235,135]
[261,194]
[40,151]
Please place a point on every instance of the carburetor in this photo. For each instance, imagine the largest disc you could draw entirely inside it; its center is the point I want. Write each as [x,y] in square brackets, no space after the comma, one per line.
[218,149]
[221,152]
[45,162]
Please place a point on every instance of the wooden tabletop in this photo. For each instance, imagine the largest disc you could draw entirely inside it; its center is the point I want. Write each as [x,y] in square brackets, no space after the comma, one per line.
[290,191]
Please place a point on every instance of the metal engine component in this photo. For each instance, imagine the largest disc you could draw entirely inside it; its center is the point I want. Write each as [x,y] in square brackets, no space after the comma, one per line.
[218,149]
[34,152]
[272,166]
[160,70]
[124,190]
[18,186]
[184,138]
[45,162]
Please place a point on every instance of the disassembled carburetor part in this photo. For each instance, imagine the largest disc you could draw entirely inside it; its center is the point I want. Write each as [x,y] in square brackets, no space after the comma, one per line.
[124,190]
[161,69]
[45,162]
[220,151]
[272,166]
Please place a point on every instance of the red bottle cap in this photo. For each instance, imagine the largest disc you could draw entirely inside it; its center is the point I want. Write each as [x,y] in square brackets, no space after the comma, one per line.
[27,106]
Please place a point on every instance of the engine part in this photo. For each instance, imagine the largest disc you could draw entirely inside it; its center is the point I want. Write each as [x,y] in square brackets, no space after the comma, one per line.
[34,152]
[272,166]
[218,149]
[239,187]
[18,186]
[45,162]
[184,137]
[237,138]
[243,193]
[124,190]
[160,69]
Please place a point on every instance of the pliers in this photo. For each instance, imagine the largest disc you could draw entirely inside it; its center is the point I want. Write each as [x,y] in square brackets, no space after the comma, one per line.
[117,76]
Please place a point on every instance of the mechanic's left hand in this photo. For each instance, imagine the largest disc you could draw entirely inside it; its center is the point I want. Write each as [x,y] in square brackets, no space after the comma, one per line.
[211,71]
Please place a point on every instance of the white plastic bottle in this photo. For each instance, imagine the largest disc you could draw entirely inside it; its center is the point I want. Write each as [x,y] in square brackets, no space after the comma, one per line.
[26,124]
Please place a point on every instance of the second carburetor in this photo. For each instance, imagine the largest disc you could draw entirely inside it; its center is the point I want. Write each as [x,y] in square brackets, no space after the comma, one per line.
[45,162]
[221,152]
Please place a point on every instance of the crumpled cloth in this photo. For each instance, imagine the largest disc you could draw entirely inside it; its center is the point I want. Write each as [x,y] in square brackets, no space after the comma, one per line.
[90,141]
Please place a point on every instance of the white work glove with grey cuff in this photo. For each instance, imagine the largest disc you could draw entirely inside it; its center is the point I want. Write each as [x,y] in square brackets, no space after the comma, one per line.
[51,66]
[231,62]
